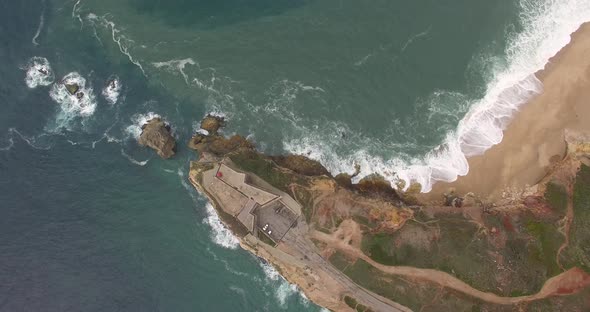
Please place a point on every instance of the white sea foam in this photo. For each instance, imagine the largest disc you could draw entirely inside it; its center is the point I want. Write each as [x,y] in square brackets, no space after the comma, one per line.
[547,26]
[176,65]
[179,66]
[283,289]
[39,72]
[133,160]
[82,103]
[31,141]
[41,23]
[121,40]
[112,90]
[220,234]
[8,146]
[137,121]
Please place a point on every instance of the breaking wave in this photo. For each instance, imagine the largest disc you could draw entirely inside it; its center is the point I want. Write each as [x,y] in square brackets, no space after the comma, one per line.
[220,234]
[138,120]
[112,90]
[39,72]
[80,103]
[547,27]
[283,289]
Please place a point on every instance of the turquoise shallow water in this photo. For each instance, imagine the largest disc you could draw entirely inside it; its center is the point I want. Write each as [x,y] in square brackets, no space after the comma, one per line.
[93,222]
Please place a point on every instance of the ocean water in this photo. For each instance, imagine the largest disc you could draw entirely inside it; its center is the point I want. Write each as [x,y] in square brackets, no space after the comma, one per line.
[93,222]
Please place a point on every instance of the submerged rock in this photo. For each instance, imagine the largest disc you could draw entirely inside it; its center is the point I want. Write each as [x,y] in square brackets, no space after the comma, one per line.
[156,135]
[212,123]
[72,88]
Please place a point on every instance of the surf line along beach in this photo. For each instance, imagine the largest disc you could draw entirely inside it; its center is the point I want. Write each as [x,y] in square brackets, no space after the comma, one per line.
[535,137]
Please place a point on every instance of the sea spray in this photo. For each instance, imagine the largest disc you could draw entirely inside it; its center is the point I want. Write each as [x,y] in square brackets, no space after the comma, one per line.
[38,72]
[133,131]
[112,90]
[546,28]
[82,103]
[220,234]
[283,289]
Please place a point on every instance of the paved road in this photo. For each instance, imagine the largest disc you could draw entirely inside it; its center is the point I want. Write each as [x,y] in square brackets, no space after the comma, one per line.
[297,240]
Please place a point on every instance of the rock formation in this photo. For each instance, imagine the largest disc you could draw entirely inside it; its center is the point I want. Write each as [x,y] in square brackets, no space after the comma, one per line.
[72,88]
[156,135]
[212,123]
[215,144]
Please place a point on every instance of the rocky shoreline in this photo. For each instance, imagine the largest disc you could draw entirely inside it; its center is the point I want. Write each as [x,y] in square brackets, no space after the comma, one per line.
[330,251]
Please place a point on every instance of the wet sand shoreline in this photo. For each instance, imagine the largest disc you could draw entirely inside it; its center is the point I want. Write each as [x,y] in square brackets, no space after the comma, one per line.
[535,137]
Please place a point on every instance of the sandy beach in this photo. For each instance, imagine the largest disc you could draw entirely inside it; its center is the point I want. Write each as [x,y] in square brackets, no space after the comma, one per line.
[535,137]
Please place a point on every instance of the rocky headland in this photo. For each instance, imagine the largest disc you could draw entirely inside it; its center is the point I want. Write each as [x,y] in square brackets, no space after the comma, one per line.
[369,247]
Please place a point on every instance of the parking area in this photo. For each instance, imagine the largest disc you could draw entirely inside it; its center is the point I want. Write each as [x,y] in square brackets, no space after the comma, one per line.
[275,219]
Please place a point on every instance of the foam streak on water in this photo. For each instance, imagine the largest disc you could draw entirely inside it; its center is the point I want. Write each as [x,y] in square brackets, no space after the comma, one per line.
[121,41]
[41,23]
[133,160]
[547,26]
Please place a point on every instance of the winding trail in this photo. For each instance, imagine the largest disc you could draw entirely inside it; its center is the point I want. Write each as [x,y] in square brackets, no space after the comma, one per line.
[566,283]
[569,218]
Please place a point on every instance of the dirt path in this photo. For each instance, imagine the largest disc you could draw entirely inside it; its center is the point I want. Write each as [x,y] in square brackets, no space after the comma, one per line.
[565,283]
[569,218]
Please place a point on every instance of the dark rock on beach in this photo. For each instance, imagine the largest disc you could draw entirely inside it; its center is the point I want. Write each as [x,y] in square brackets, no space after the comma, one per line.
[156,135]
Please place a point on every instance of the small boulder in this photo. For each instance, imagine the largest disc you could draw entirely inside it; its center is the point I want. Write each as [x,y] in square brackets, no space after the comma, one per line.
[156,135]
[72,88]
[212,123]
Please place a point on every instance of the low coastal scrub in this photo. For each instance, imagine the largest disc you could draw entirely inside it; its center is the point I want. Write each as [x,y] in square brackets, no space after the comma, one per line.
[254,162]
[578,250]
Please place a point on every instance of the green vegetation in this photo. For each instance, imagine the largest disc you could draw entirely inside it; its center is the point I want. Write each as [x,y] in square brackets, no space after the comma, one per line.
[543,249]
[340,261]
[578,251]
[575,302]
[301,165]
[414,296]
[458,247]
[254,162]
[351,302]
[265,239]
[234,225]
[556,196]
[305,199]
[200,168]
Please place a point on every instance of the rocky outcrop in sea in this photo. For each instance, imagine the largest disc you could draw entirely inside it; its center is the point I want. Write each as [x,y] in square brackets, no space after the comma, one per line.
[156,134]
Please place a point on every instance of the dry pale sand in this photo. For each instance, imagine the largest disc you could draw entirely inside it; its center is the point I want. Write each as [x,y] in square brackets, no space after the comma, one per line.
[535,137]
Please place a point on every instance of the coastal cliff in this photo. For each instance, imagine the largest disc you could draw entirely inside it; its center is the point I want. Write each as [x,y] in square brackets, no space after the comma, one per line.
[368,247]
